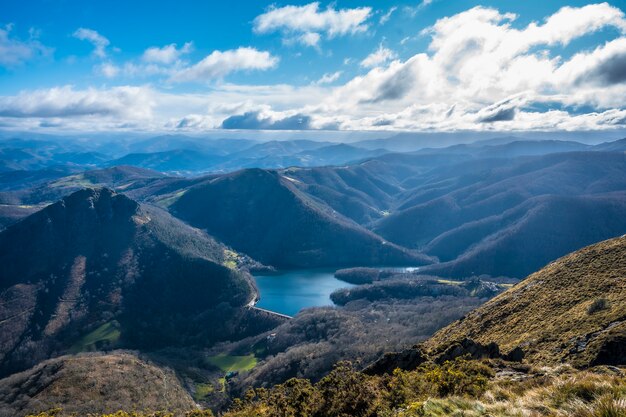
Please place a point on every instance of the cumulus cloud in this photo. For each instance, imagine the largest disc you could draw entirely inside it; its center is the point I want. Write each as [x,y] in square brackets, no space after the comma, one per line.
[482,70]
[379,57]
[219,64]
[125,102]
[477,58]
[98,41]
[167,54]
[306,24]
[14,52]
[604,66]
[257,121]
[311,39]
[108,69]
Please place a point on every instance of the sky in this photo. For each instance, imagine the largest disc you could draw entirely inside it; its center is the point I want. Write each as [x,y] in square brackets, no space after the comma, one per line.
[421,65]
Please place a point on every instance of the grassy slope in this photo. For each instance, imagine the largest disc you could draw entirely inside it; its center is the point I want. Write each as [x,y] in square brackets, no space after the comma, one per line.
[107,333]
[229,363]
[548,313]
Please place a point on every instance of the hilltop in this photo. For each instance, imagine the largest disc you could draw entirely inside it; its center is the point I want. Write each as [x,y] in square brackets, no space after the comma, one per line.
[263,214]
[571,311]
[103,382]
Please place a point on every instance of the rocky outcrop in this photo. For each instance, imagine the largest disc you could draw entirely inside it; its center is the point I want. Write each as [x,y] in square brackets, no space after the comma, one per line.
[410,359]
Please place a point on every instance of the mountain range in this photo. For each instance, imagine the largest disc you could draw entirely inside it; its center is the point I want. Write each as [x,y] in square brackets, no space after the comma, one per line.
[154,257]
[460,209]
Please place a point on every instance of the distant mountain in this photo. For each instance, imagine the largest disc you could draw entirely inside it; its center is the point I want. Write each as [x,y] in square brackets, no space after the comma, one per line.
[167,143]
[279,148]
[571,311]
[291,154]
[14,159]
[123,177]
[21,179]
[97,270]
[179,160]
[529,236]
[202,157]
[357,192]
[414,141]
[367,190]
[513,149]
[81,158]
[93,383]
[404,142]
[18,154]
[263,214]
[615,146]
[336,154]
[477,214]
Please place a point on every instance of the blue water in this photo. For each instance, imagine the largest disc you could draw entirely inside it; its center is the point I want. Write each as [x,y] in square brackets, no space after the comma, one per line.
[290,291]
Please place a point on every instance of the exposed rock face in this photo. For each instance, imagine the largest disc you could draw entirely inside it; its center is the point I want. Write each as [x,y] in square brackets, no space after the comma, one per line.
[611,348]
[410,359]
[406,360]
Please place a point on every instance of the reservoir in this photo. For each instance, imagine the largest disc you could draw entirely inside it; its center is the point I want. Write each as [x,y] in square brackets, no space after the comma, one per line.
[288,292]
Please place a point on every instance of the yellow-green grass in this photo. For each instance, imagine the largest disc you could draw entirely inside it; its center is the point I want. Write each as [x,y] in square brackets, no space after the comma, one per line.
[230,259]
[222,383]
[230,363]
[449,282]
[108,332]
[73,181]
[170,199]
[202,391]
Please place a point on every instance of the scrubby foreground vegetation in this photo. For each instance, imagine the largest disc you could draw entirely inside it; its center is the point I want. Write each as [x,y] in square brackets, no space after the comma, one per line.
[455,388]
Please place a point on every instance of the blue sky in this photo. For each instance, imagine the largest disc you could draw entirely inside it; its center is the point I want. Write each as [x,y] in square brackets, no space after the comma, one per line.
[437,65]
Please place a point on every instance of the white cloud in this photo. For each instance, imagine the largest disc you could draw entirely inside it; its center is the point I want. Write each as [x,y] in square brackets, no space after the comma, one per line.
[14,52]
[413,10]
[482,70]
[606,65]
[380,56]
[167,54]
[491,74]
[309,39]
[385,17]
[108,69]
[329,78]
[219,64]
[66,102]
[299,22]
[97,40]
